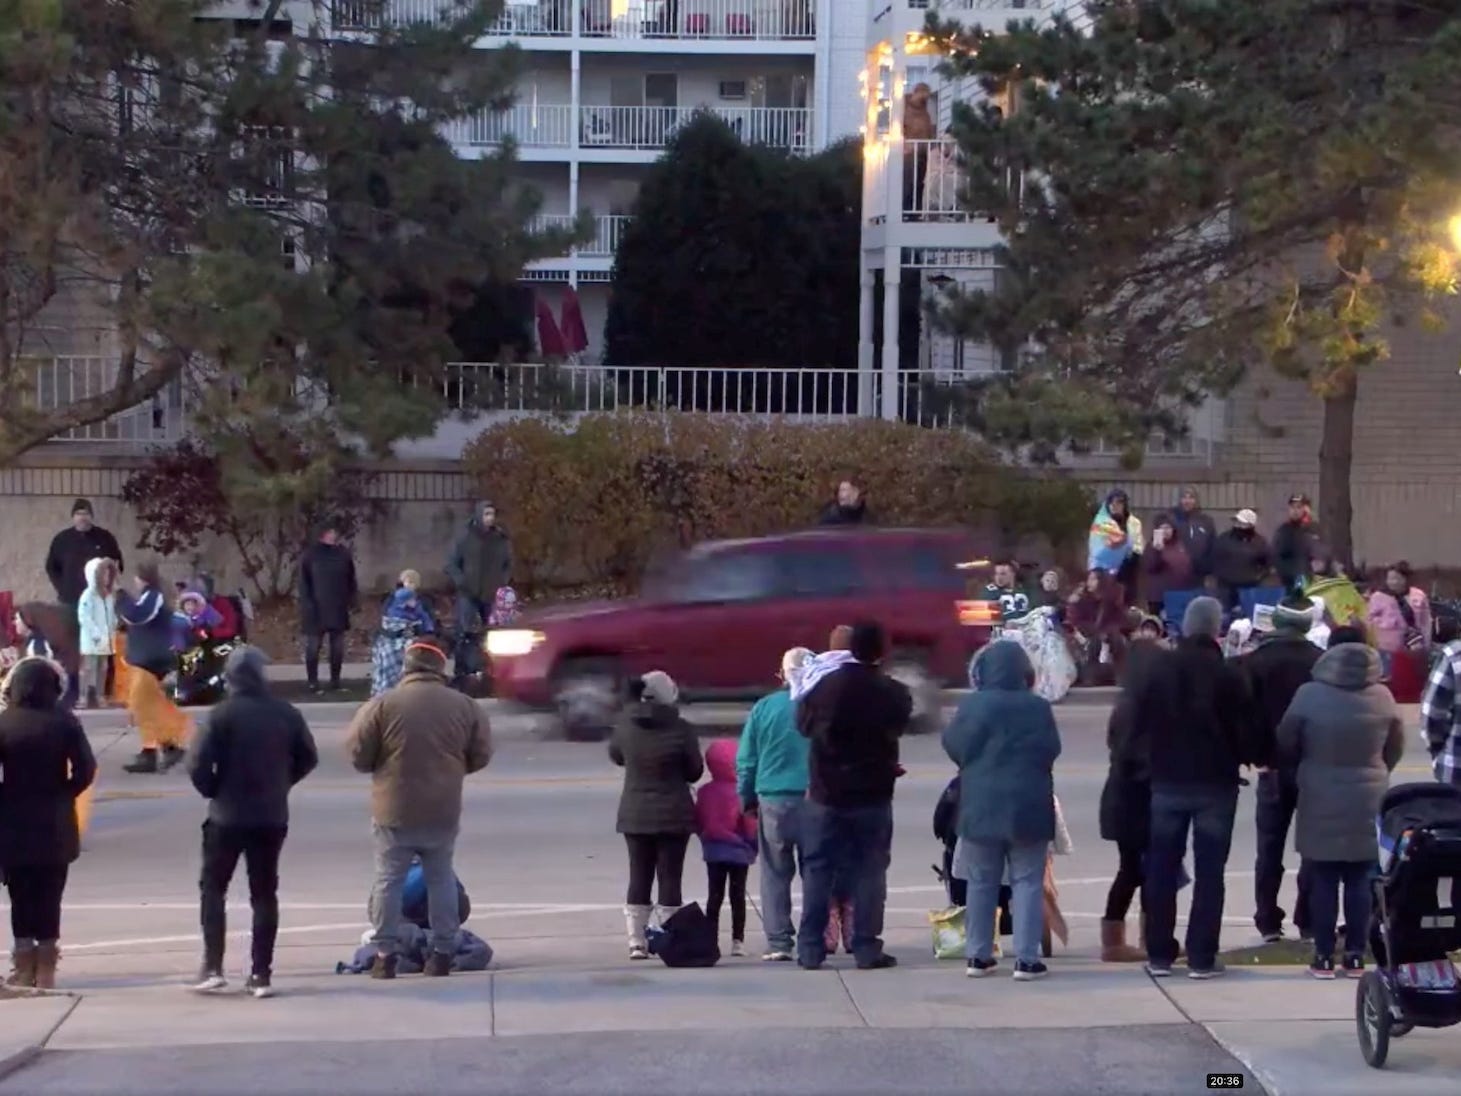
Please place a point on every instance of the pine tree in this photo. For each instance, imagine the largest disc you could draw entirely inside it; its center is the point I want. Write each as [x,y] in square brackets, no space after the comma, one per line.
[262,207]
[1213,185]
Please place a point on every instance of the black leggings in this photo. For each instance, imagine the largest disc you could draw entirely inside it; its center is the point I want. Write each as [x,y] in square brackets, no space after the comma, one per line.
[735,874]
[1129,875]
[35,900]
[651,856]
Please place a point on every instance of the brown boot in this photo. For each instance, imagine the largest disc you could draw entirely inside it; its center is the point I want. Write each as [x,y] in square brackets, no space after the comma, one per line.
[22,967]
[1114,948]
[47,956]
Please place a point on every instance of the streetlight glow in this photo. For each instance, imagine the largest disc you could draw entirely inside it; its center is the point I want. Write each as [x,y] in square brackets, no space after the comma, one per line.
[1455,226]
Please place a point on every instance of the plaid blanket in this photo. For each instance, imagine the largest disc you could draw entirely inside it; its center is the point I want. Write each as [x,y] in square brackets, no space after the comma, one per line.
[388,655]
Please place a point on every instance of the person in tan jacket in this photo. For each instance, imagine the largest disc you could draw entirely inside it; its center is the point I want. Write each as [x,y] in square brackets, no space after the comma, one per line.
[418,741]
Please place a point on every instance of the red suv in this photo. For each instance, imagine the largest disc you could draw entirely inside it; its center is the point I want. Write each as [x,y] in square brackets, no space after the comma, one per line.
[718,618]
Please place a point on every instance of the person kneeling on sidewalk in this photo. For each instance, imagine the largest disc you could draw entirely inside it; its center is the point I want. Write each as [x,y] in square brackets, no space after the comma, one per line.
[252,751]
[419,741]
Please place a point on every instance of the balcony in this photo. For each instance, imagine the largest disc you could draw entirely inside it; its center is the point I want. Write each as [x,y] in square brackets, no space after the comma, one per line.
[650,128]
[532,127]
[638,20]
[608,229]
[60,382]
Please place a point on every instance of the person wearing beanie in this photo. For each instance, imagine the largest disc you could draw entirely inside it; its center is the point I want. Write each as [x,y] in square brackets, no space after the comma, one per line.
[660,755]
[1282,663]
[253,749]
[71,550]
[771,779]
[479,565]
[419,742]
[1189,721]
[853,719]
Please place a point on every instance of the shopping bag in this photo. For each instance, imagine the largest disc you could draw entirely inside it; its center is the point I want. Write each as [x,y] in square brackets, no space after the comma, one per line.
[948,932]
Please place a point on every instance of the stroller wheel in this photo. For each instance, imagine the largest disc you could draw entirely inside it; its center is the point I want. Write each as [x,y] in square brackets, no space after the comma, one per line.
[1372,1019]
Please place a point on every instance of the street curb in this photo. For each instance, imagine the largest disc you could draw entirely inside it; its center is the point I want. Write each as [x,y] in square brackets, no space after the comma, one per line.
[14,1063]
[1263,1077]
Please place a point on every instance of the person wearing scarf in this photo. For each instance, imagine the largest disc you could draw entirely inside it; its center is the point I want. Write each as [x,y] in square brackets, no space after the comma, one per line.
[1400,620]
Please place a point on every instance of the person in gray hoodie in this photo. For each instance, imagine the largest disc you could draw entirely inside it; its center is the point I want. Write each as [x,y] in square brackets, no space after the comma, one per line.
[1343,735]
[480,564]
[253,750]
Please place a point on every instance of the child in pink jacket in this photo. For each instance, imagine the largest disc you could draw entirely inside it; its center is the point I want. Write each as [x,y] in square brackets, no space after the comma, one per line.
[727,837]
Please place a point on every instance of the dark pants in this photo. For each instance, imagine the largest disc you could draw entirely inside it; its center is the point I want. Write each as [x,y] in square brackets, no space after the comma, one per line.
[854,844]
[734,875]
[1130,870]
[656,856]
[1325,879]
[260,847]
[312,644]
[1278,799]
[1208,812]
[472,615]
[35,900]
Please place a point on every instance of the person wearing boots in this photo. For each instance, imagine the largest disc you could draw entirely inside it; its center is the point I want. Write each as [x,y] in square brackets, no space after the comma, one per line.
[161,724]
[46,764]
[660,756]
[1282,664]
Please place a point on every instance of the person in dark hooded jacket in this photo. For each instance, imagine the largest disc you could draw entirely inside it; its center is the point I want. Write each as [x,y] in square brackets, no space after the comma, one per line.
[660,756]
[848,508]
[1195,532]
[1240,558]
[252,751]
[1294,542]
[46,763]
[327,593]
[480,564]
[1282,664]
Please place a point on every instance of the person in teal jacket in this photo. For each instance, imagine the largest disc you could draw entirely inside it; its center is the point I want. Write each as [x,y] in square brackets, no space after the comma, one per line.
[1004,739]
[771,779]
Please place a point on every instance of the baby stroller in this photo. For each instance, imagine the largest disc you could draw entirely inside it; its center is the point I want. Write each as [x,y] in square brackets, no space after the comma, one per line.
[1413,930]
[945,815]
[200,672]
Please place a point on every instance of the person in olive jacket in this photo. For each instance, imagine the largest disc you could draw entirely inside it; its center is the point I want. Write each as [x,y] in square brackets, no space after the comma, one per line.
[660,755]
[46,763]
[1004,739]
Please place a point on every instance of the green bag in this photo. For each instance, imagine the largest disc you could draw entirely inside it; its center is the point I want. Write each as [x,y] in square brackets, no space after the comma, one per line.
[948,932]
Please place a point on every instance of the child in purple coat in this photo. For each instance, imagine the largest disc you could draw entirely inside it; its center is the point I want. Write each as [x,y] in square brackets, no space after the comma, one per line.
[727,837]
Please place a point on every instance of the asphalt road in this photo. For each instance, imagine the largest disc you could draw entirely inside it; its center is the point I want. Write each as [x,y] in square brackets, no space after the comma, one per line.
[545,870]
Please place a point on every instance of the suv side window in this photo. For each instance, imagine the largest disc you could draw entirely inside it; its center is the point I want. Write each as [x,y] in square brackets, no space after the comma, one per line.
[727,576]
[926,567]
[829,571]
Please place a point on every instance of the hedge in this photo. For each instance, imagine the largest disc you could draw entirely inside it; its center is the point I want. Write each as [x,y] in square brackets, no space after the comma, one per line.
[597,498]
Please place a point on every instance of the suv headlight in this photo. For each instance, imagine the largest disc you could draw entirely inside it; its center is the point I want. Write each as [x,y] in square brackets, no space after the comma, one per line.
[511,642]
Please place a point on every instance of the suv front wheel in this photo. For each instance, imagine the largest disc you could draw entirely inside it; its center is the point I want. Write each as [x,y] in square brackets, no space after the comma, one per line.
[588,695]
[911,668]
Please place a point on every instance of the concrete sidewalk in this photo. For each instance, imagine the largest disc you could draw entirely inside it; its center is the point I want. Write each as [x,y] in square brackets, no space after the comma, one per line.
[743,1026]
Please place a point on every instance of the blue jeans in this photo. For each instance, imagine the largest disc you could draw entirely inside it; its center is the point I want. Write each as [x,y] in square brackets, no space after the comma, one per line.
[985,862]
[1208,811]
[395,848]
[780,832]
[854,844]
[1325,878]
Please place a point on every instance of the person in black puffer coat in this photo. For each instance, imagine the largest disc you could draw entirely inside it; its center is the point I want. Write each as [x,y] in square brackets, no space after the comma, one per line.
[1240,558]
[660,755]
[327,593]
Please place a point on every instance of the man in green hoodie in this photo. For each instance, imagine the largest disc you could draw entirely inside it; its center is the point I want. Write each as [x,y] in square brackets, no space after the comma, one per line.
[772,778]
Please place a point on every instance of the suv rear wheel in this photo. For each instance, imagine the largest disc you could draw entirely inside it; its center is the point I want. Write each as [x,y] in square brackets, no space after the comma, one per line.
[911,668]
[588,695]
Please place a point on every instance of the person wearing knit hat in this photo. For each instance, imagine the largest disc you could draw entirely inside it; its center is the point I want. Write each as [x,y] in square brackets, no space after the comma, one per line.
[419,741]
[771,778]
[1190,726]
[1282,663]
[71,550]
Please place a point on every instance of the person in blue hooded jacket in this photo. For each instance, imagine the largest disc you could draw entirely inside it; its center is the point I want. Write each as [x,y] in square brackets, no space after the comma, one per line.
[1004,739]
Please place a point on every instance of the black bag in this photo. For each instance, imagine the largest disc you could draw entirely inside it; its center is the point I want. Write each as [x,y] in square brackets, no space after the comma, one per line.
[686,939]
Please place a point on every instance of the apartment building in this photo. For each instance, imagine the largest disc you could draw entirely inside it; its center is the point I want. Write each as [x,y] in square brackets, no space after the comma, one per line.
[608,83]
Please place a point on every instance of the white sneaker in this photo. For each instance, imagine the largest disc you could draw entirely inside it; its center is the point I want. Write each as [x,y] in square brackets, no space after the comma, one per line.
[261,989]
[209,981]
[738,948]
[777,957]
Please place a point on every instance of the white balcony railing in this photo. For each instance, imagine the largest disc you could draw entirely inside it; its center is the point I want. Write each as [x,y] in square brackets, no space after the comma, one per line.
[708,19]
[608,228]
[652,127]
[531,126]
[692,19]
[63,381]
[1012,6]
[930,182]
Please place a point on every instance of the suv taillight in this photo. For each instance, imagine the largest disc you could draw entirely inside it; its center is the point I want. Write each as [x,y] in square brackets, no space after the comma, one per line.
[978,614]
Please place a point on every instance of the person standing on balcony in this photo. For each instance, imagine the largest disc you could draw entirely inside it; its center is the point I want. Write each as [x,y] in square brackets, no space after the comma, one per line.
[71,550]
[848,508]
[918,129]
[480,564]
[327,592]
